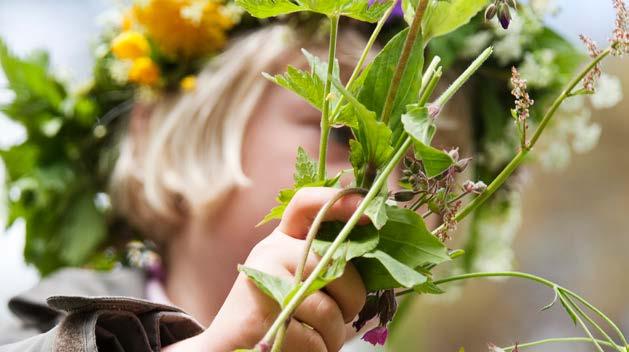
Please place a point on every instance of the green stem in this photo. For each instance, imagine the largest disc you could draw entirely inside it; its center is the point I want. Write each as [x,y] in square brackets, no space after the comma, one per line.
[592,322]
[342,236]
[312,234]
[363,56]
[316,224]
[521,155]
[557,340]
[568,307]
[413,31]
[598,312]
[430,71]
[325,119]
[464,77]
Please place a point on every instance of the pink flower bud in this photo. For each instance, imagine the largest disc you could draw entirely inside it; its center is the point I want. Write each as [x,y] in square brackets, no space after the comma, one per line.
[376,336]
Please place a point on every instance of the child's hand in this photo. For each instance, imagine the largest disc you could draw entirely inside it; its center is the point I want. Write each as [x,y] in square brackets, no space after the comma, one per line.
[319,322]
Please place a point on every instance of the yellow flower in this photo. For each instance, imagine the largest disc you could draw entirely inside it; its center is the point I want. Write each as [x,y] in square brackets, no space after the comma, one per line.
[188,83]
[144,71]
[185,29]
[127,21]
[130,45]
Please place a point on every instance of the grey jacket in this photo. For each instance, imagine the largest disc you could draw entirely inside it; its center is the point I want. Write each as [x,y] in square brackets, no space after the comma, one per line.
[81,310]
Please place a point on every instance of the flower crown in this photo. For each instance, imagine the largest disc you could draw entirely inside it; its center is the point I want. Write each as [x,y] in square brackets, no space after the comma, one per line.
[57,178]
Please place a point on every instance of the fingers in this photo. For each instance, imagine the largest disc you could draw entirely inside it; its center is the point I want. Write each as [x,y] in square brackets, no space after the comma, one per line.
[324,315]
[348,290]
[307,202]
[300,338]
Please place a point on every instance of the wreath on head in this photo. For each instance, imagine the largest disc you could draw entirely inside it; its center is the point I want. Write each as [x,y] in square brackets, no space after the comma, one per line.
[57,178]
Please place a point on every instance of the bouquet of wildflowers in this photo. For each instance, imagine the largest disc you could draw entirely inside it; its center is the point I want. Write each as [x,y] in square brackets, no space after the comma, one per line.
[391,109]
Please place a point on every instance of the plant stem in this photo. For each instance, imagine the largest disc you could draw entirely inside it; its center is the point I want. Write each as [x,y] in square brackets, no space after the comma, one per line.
[325,118]
[528,277]
[521,155]
[316,224]
[312,234]
[591,321]
[363,56]
[464,77]
[342,236]
[430,71]
[557,340]
[568,307]
[598,312]
[413,31]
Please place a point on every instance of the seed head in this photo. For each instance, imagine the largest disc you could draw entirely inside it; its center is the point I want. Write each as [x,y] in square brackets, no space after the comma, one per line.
[522,100]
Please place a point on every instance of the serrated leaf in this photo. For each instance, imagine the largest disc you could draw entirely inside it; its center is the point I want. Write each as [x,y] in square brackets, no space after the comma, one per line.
[361,240]
[381,271]
[420,127]
[305,169]
[269,8]
[443,17]
[275,287]
[406,238]
[302,83]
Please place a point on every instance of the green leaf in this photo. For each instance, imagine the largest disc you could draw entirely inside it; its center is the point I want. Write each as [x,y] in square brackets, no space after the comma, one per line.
[552,303]
[334,270]
[406,238]
[82,230]
[362,11]
[308,86]
[381,271]
[444,16]
[567,308]
[273,286]
[420,127]
[361,240]
[305,169]
[377,211]
[269,8]
[379,74]
[428,287]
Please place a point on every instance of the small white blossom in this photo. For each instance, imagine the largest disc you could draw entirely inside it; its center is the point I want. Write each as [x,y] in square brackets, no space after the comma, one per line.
[608,93]
[555,156]
[545,7]
[119,70]
[475,44]
[538,68]
[586,137]
[193,12]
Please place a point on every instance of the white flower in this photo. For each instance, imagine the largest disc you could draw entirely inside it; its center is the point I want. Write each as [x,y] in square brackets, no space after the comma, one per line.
[586,137]
[555,156]
[193,12]
[544,7]
[608,93]
[475,44]
[119,70]
[538,68]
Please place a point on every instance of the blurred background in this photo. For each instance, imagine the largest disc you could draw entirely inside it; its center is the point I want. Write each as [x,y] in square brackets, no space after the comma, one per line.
[574,221]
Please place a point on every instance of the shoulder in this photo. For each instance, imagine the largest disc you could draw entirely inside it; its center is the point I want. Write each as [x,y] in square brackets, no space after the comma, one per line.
[88,306]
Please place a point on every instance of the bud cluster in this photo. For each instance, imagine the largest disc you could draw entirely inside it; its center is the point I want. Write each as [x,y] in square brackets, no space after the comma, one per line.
[620,36]
[502,9]
[441,194]
[589,81]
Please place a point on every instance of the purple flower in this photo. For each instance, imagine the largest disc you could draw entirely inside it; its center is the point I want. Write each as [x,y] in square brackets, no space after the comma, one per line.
[376,336]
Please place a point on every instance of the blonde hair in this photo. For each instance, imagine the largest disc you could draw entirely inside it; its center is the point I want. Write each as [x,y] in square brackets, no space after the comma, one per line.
[189,155]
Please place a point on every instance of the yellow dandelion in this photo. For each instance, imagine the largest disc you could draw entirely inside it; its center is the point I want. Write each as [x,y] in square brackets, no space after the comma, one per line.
[130,45]
[185,29]
[188,83]
[144,71]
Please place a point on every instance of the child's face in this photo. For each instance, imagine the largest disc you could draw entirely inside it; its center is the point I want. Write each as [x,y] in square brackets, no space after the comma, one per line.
[281,123]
